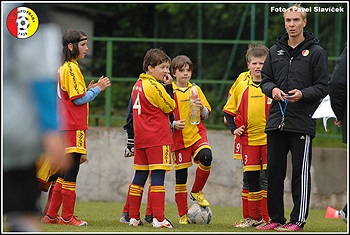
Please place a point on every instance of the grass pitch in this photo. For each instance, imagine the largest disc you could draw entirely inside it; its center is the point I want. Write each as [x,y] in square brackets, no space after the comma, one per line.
[103,217]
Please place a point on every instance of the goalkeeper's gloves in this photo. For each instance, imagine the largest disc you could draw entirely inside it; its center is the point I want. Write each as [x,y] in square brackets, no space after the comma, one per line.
[129,150]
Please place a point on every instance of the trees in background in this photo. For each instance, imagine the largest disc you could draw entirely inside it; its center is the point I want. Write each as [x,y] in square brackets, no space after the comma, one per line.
[193,21]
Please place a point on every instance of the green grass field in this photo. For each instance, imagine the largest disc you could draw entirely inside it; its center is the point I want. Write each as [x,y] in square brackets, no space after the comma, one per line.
[104,217]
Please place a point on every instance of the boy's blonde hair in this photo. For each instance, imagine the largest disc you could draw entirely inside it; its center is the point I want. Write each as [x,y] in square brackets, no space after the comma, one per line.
[296,8]
[179,62]
[154,57]
[256,50]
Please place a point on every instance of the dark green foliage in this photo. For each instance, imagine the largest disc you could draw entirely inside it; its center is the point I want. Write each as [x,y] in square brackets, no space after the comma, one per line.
[221,62]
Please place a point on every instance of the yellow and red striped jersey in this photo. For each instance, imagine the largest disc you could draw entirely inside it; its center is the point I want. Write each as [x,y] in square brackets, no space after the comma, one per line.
[250,107]
[191,133]
[71,85]
[151,106]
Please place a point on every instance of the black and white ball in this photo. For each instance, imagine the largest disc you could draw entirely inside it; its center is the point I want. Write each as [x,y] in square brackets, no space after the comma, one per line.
[22,23]
[199,215]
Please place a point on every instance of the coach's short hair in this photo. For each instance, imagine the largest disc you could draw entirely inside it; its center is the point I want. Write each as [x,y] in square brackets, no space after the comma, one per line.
[296,8]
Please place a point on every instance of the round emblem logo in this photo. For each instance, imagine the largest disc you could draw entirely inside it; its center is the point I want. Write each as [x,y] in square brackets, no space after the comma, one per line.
[305,52]
[22,22]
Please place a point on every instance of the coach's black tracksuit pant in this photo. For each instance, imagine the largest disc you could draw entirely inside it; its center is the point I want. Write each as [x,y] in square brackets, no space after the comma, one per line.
[279,143]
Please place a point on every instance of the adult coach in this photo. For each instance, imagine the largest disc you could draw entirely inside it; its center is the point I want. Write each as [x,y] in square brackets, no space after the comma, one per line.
[295,76]
[338,93]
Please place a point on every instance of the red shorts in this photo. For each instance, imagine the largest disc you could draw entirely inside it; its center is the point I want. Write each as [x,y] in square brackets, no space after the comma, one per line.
[183,157]
[153,158]
[254,158]
[75,141]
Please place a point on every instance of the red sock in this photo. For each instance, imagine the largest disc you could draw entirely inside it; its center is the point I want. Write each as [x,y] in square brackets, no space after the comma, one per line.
[49,196]
[202,174]
[126,205]
[181,199]
[56,199]
[68,203]
[135,198]
[245,204]
[254,200]
[149,204]
[157,195]
[264,208]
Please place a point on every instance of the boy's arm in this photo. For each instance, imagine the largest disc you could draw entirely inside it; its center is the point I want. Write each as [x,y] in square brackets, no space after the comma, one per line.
[169,90]
[158,96]
[93,90]
[90,95]
[172,120]
[129,128]
[230,122]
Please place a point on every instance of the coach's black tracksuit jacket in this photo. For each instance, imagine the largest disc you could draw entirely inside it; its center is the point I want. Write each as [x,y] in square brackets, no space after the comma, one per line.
[307,70]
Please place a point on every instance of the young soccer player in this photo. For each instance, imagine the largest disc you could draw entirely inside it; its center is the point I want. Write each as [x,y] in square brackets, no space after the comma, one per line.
[246,111]
[129,152]
[189,140]
[73,103]
[151,104]
[47,172]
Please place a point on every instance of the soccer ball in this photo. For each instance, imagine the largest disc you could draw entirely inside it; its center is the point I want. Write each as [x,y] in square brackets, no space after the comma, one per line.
[199,215]
[22,23]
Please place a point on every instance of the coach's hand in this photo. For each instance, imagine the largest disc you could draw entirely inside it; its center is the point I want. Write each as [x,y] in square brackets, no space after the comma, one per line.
[129,150]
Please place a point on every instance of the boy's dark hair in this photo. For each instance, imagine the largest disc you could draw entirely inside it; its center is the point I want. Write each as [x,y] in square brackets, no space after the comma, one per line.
[256,50]
[179,62]
[72,36]
[154,57]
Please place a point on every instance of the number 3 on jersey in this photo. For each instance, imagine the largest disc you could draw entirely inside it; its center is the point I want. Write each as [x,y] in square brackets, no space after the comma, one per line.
[137,104]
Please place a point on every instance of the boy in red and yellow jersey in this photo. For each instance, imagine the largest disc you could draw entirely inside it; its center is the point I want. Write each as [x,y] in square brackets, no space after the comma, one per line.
[151,105]
[246,111]
[189,140]
[73,107]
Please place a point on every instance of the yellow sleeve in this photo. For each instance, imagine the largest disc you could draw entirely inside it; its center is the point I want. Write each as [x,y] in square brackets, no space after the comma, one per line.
[241,77]
[233,101]
[157,96]
[72,80]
